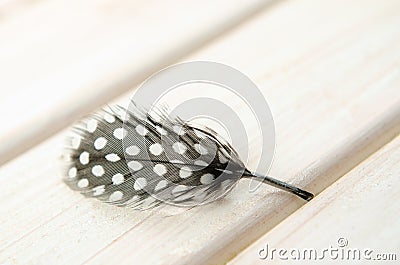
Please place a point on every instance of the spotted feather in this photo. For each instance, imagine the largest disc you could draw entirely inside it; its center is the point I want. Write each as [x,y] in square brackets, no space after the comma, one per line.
[134,158]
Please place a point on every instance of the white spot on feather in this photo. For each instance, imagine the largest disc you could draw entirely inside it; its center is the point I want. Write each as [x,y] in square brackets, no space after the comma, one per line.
[200,149]
[132,150]
[156,149]
[98,190]
[140,183]
[84,158]
[120,133]
[116,196]
[179,130]
[98,171]
[161,185]
[162,131]
[109,118]
[179,189]
[135,165]
[118,179]
[83,183]
[160,169]
[185,172]
[113,157]
[100,143]
[91,125]
[207,179]
[141,130]
[72,172]
[179,148]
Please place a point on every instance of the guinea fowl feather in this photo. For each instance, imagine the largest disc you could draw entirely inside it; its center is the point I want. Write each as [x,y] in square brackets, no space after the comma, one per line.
[129,157]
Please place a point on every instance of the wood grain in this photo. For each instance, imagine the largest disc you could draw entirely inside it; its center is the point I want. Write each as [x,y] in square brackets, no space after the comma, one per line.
[358,208]
[333,86]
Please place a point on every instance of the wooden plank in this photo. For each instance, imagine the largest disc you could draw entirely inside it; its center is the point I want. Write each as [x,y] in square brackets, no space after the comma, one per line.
[62,59]
[360,209]
[330,111]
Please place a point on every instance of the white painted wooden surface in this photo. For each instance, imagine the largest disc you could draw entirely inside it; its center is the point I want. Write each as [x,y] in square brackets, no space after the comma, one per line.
[360,210]
[62,59]
[333,86]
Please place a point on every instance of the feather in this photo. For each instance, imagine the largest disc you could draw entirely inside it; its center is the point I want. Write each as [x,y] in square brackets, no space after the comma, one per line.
[141,160]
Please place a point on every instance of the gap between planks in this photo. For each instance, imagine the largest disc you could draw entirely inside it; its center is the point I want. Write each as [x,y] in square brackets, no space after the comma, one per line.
[323,173]
[359,208]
